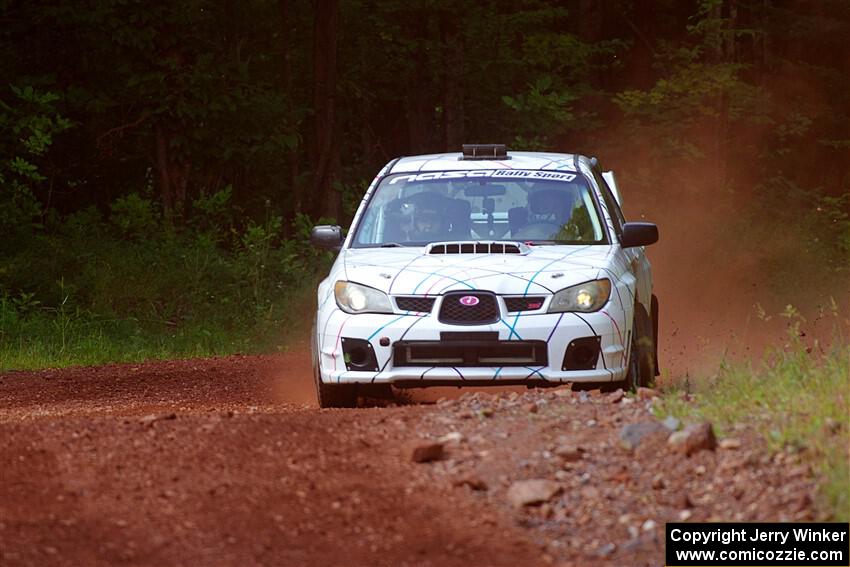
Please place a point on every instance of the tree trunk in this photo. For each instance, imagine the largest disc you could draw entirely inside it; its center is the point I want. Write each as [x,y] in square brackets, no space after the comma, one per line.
[165,190]
[638,70]
[418,101]
[287,25]
[453,93]
[324,151]
[591,20]
[173,174]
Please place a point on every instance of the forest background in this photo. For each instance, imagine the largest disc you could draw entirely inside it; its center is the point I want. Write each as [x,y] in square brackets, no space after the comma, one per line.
[161,163]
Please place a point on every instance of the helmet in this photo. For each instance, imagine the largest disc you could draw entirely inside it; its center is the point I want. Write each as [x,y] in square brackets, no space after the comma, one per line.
[428,215]
[548,204]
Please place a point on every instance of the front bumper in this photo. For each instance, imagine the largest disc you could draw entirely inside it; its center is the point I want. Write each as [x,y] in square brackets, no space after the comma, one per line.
[556,331]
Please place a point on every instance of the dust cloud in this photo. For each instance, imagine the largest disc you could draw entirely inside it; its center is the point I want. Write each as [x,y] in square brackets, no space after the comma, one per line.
[715,273]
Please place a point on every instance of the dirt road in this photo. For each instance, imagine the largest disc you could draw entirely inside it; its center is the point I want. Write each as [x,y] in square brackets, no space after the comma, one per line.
[228,462]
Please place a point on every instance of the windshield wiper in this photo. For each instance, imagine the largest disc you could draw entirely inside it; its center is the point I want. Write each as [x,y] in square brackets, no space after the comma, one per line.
[392,245]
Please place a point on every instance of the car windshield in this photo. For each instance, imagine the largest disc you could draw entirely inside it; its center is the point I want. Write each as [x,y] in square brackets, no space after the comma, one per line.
[543,207]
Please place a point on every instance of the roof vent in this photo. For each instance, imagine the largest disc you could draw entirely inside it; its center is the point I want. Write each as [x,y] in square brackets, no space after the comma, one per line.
[477,248]
[484,151]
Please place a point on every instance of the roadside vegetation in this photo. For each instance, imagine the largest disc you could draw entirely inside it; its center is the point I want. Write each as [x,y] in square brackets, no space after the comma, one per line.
[132,286]
[797,397]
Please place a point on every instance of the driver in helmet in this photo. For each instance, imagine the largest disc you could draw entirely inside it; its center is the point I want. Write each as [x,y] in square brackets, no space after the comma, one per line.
[547,205]
[428,223]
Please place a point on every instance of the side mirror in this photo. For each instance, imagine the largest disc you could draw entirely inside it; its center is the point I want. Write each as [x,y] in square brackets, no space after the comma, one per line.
[326,236]
[639,234]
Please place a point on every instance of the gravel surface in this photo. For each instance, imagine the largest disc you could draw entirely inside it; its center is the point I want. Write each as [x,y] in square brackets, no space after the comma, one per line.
[226,461]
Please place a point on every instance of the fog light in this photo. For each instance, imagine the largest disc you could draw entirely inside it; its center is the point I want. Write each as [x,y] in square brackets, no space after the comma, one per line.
[359,355]
[582,354]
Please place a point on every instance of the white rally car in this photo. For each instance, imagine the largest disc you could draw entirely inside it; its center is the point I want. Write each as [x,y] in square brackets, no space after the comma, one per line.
[486,267]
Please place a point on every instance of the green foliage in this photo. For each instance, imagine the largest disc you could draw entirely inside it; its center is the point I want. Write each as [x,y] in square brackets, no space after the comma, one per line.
[134,216]
[257,252]
[212,212]
[703,88]
[541,108]
[562,66]
[694,94]
[28,125]
[35,121]
[83,224]
[189,90]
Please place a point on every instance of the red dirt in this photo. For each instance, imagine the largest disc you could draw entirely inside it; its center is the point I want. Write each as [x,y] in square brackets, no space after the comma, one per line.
[226,461]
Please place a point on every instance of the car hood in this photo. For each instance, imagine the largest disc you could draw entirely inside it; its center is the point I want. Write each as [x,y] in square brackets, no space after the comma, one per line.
[411,271]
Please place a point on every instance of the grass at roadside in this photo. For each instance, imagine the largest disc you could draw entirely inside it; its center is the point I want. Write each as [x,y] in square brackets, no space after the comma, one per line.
[48,339]
[799,398]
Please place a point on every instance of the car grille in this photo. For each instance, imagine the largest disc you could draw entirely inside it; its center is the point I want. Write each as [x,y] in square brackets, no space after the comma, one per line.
[528,303]
[418,304]
[470,353]
[469,308]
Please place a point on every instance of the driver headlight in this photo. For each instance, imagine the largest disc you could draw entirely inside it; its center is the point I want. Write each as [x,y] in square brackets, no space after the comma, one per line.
[356,298]
[586,297]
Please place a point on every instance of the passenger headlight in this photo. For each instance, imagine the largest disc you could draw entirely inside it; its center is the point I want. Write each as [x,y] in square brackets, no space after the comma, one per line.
[584,298]
[356,298]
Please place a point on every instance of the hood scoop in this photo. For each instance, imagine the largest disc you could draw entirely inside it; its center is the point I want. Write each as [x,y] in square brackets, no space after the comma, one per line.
[440,248]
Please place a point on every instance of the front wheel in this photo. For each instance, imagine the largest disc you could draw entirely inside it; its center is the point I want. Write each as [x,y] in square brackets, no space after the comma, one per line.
[641,368]
[331,395]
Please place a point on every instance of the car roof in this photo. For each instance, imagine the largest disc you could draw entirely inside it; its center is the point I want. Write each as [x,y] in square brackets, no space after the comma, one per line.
[517,160]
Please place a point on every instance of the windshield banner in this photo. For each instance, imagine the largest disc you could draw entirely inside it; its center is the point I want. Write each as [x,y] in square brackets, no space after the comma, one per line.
[492,173]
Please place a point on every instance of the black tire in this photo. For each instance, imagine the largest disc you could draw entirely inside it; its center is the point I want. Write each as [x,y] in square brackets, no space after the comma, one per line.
[641,353]
[654,305]
[331,395]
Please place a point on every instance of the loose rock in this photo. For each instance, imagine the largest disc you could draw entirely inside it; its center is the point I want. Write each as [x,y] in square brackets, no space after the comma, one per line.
[425,451]
[658,482]
[473,482]
[631,435]
[149,420]
[684,501]
[671,423]
[693,438]
[532,492]
[569,453]
[451,437]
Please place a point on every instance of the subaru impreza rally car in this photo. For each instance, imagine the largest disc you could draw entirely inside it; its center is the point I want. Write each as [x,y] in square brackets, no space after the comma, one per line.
[486,267]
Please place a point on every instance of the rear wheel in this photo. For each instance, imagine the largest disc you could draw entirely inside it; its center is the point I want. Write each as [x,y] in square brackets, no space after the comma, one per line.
[331,395]
[641,368]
